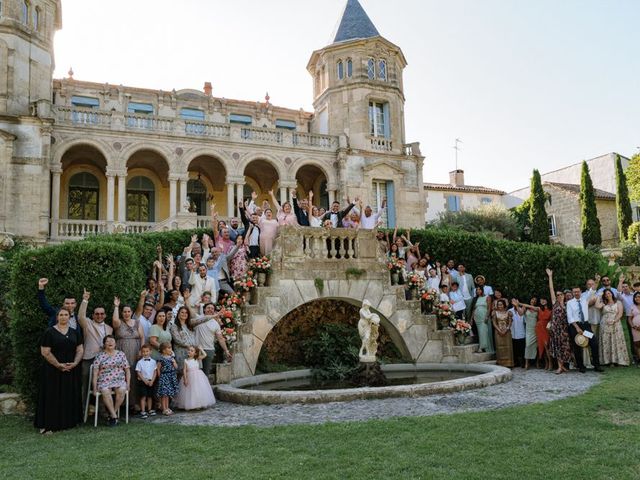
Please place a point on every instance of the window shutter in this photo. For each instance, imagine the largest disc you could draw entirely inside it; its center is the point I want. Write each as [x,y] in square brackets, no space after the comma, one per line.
[391,206]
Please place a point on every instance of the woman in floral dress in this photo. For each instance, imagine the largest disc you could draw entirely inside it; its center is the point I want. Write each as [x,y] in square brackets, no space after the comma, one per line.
[111,372]
[239,260]
[559,341]
[613,347]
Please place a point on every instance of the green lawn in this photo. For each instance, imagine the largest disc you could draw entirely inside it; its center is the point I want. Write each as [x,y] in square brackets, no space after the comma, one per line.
[593,436]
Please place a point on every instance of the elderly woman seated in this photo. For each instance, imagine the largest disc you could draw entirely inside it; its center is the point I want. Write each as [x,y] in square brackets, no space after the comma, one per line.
[111,373]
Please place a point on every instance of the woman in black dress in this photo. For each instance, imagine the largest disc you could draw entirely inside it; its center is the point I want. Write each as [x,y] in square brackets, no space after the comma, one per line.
[59,397]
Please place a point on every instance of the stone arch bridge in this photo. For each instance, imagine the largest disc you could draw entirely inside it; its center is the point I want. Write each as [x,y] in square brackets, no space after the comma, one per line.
[339,264]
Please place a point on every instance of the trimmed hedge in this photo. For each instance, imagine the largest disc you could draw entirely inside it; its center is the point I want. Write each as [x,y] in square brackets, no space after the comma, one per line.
[518,268]
[105,272]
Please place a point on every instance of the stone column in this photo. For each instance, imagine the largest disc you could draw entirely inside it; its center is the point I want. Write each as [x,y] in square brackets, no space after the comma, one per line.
[283,195]
[332,196]
[173,193]
[239,195]
[230,192]
[111,192]
[183,193]
[55,200]
[122,197]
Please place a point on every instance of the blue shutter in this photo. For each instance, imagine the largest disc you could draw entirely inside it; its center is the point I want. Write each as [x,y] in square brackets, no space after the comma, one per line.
[288,124]
[387,121]
[135,107]
[243,119]
[80,101]
[391,206]
[191,114]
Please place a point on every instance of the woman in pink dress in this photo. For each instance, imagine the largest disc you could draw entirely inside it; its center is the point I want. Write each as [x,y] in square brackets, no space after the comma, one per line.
[285,215]
[239,260]
[268,231]
[635,324]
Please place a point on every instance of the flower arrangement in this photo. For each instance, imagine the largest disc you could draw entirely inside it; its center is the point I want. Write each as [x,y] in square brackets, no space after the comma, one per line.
[429,295]
[462,328]
[245,283]
[395,264]
[445,314]
[415,280]
[261,264]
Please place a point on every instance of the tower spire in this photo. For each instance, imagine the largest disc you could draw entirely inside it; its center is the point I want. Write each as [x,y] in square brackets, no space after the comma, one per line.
[354,23]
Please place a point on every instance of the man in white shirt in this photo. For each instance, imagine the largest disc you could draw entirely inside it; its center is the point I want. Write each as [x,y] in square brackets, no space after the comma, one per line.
[201,283]
[367,219]
[207,331]
[606,283]
[433,281]
[578,320]
[457,300]
[481,282]
[591,296]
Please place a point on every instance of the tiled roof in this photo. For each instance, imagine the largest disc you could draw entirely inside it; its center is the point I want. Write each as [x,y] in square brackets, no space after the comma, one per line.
[462,188]
[354,23]
[575,189]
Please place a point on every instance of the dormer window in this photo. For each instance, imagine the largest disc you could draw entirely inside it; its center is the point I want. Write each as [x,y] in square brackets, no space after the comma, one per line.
[340,69]
[382,70]
[371,69]
[349,68]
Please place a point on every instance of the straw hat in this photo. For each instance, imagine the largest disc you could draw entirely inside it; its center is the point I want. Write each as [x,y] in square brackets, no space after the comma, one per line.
[581,340]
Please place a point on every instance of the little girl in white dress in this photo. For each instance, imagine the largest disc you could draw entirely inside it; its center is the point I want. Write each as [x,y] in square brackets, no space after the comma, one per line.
[195,390]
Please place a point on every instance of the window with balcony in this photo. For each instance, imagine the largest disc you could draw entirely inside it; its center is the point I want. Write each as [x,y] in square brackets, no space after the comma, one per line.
[553,228]
[382,70]
[384,190]
[349,68]
[379,119]
[453,203]
[83,116]
[285,124]
[340,70]
[140,200]
[84,196]
[136,107]
[371,69]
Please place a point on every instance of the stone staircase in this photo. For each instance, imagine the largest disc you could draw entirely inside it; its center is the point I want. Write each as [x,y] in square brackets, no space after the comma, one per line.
[305,269]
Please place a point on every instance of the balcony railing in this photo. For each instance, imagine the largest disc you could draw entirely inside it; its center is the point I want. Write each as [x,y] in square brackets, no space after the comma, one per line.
[112,120]
[381,144]
[76,229]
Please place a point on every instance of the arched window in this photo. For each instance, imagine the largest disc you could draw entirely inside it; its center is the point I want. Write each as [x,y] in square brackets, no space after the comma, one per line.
[84,195]
[340,70]
[36,18]
[140,200]
[371,69]
[25,12]
[349,68]
[382,70]
[197,196]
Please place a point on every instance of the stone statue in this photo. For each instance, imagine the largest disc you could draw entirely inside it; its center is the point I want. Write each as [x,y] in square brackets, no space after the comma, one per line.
[368,330]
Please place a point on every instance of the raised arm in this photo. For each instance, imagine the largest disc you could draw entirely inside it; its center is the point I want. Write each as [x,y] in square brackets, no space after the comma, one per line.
[310,205]
[275,201]
[381,209]
[395,234]
[171,272]
[82,311]
[115,320]
[552,291]
[141,300]
[42,298]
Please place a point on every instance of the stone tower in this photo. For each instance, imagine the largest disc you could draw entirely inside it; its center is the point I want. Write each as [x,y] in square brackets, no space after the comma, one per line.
[358,94]
[27,28]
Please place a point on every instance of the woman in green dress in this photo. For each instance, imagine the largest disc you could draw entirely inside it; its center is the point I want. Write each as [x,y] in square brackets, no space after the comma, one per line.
[159,334]
[480,307]
[531,337]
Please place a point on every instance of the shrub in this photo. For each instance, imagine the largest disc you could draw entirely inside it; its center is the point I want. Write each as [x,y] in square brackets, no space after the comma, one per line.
[630,252]
[491,219]
[517,267]
[589,222]
[633,231]
[106,272]
[332,353]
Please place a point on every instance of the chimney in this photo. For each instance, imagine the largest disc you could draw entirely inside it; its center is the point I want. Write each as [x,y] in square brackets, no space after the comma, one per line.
[456,178]
[208,89]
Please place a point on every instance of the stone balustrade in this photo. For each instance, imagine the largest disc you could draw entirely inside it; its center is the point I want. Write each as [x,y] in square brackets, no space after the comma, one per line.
[381,144]
[65,229]
[113,120]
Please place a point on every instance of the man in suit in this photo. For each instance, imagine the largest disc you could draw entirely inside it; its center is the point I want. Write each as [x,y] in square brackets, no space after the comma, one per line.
[336,215]
[578,320]
[221,271]
[302,210]
[465,281]
[68,304]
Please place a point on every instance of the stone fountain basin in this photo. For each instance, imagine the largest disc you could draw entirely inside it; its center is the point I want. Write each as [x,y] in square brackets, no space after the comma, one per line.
[480,375]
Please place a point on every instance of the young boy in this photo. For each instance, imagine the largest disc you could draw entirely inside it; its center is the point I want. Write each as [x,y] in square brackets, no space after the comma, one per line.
[146,373]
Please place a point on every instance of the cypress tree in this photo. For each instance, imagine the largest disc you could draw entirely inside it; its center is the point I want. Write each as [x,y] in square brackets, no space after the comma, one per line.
[589,222]
[623,205]
[537,213]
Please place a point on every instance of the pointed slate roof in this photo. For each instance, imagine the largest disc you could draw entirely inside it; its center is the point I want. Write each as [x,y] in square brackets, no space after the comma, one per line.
[354,23]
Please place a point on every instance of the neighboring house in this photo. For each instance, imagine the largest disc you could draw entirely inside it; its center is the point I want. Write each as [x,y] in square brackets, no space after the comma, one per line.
[455,196]
[563,206]
[79,158]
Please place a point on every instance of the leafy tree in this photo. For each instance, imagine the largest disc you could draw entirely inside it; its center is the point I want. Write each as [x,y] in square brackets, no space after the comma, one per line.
[589,222]
[538,220]
[623,205]
[494,220]
[633,178]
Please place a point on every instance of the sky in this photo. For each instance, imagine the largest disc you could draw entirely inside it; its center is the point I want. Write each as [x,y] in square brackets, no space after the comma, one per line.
[523,83]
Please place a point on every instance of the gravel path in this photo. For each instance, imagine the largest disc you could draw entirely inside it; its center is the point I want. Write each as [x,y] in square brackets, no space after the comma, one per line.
[526,387]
